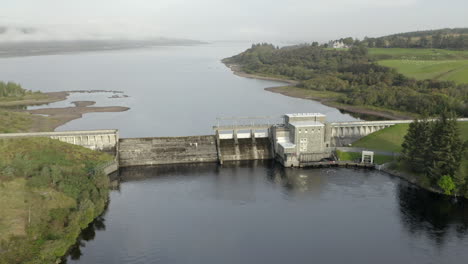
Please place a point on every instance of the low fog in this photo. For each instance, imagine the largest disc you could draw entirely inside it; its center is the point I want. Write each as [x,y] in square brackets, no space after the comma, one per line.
[227,20]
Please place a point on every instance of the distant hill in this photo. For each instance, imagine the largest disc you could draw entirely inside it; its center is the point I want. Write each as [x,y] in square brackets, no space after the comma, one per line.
[447,38]
[33,48]
[28,41]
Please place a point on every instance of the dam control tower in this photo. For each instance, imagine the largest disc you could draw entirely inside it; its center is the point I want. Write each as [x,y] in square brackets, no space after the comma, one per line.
[302,138]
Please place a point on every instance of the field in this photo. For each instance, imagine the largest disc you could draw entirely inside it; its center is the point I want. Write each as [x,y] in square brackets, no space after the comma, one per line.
[449,70]
[421,64]
[390,139]
[418,54]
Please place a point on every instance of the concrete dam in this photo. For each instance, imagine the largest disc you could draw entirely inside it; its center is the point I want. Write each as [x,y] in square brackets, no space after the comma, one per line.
[296,140]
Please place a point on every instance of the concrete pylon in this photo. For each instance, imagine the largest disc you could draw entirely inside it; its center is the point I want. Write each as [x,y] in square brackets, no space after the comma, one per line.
[218,148]
[234,135]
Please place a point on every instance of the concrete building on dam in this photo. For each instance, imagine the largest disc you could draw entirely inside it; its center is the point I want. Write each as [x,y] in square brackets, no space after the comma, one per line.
[297,140]
[301,138]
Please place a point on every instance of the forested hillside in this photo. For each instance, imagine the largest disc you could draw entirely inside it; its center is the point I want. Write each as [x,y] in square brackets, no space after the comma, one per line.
[456,38]
[354,75]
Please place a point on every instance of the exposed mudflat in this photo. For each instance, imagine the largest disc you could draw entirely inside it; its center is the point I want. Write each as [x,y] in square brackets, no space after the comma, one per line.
[61,116]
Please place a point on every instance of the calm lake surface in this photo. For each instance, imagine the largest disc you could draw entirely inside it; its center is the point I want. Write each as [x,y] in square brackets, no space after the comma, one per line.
[254,212]
[173,91]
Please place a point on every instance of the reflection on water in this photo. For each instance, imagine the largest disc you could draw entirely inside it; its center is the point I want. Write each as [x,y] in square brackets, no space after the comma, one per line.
[259,212]
[435,216]
[87,234]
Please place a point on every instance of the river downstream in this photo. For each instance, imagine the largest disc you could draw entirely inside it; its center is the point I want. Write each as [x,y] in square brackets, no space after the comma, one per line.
[254,212]
[258,212]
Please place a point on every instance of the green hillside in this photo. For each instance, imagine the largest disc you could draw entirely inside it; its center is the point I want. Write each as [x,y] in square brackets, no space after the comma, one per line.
[438,64]
[49,192]
[418,54]
[390,139]
[447,70]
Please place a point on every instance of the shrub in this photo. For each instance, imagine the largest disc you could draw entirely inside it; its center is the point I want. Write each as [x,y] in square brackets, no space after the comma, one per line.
[446,184]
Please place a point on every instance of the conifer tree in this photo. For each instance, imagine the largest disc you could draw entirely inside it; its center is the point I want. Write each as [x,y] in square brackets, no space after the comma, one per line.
[410,143]
[447,147]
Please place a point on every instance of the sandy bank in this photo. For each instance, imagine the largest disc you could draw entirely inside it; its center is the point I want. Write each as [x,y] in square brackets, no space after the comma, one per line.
[236,70]
[48,119]
[59,116]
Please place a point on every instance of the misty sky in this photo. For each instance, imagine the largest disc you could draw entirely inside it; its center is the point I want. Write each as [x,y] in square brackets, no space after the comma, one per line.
[245,20]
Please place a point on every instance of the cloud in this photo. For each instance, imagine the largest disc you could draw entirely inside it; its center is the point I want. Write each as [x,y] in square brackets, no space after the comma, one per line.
[91,30]
[248,20]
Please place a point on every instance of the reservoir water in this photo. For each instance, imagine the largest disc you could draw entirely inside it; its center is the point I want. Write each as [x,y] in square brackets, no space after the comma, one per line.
[173,91]
[254,212]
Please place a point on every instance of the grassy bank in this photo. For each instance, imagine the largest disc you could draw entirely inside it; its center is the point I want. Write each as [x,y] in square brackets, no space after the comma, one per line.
[14,122]
[390,139]
[27,99]
[353,156]
[48,193]
[437,64]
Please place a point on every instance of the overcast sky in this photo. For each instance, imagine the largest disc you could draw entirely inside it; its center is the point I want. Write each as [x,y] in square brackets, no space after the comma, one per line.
[246,20]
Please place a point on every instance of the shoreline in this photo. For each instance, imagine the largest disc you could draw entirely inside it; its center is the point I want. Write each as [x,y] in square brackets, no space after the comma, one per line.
[48,119]
[412,180]
[332,103]
[236,71]
[52,97]
[327,101]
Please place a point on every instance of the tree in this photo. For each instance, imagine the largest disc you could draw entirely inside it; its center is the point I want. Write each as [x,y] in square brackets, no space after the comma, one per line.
[410,150]
[447,147]
[348,41]
[446,184]
[417,146]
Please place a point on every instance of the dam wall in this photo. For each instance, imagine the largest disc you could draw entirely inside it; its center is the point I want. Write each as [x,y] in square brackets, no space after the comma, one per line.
[100,140]
[345,133]
[167,150]
[245,149]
